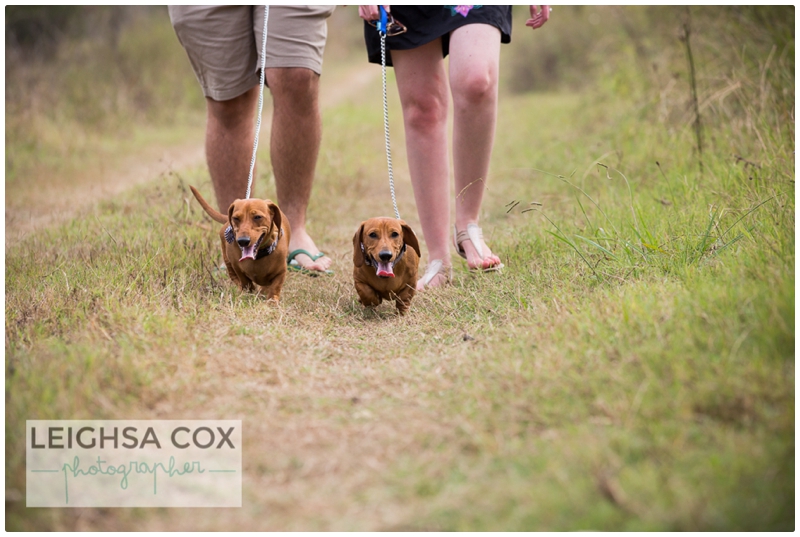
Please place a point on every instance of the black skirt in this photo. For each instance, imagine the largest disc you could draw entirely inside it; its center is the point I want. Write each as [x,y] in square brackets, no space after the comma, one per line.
[426,23]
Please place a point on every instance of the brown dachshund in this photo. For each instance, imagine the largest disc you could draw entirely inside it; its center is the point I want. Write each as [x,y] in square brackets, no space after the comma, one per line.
[385,266]
[255,243]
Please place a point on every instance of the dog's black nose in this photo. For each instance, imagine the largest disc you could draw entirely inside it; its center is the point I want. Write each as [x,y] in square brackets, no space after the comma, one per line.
[385,256]
[243,241]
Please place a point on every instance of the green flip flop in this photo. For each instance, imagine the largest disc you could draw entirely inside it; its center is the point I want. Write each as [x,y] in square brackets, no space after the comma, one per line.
[293,265]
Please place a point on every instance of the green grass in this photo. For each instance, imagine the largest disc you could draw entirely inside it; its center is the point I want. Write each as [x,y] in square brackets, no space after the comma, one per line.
[631,369]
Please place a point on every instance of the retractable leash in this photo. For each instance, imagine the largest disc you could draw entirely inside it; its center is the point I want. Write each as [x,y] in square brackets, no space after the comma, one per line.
[382,29]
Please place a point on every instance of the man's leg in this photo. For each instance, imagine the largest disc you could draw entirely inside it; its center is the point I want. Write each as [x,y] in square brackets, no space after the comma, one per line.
[229,145]
[294,146]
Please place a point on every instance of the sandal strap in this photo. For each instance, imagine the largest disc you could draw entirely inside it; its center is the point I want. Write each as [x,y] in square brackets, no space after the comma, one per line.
[475,234]
[295,253]
[434,268]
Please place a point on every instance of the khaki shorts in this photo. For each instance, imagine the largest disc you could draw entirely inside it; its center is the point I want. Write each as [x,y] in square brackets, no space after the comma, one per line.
[224,42]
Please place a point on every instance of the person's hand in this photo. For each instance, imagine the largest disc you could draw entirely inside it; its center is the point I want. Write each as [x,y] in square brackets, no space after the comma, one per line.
[371,13]
[539,16]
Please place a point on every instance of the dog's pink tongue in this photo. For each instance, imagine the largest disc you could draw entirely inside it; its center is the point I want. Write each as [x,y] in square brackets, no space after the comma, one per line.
[248,252]
[385,270]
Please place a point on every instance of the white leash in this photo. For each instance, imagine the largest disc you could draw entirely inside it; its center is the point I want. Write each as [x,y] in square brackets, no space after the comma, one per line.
[386,124]
[260,103]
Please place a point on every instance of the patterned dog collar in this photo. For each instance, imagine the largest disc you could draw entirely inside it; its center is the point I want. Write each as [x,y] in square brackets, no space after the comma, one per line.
[271,248]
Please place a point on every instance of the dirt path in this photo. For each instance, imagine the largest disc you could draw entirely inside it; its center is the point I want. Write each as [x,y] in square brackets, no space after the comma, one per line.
[65,197]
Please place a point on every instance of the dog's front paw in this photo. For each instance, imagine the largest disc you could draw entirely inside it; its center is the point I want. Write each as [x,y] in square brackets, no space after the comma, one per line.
[403,299]
[367,295]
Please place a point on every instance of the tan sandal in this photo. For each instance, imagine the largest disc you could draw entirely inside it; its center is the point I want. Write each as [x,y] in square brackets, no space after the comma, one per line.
[435,268]
[475,234]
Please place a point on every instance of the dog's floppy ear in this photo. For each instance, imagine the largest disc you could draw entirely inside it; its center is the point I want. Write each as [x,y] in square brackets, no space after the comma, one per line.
[230,213]
[276,215]
[410,238]
[358,254]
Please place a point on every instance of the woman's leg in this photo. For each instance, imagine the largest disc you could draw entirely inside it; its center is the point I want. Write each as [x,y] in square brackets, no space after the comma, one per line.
[474,67]
[422,84]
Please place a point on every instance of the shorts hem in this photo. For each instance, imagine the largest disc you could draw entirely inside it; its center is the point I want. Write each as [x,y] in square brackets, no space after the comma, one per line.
[226,94]
[284,63]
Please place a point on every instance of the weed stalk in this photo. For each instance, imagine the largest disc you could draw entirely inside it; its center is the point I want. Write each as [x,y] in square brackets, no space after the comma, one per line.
[698,129]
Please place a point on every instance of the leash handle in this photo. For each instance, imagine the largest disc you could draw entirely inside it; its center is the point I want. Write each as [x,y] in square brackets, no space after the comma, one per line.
[383,22]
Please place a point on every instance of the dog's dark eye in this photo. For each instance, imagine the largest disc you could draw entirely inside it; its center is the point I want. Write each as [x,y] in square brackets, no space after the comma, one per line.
[395,234]
[257,217]
[373,235]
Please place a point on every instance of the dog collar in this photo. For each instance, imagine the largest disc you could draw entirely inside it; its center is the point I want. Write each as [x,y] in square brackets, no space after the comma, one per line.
[264,252]
[371,263]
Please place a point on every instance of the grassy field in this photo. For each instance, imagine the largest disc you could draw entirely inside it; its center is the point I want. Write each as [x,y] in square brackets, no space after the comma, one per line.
[631,369]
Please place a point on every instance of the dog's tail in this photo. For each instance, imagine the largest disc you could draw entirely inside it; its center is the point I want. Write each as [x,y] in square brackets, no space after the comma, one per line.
[212,212]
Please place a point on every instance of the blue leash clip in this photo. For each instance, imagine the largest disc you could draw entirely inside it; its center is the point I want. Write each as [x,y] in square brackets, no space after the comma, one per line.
[384,20]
